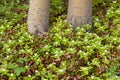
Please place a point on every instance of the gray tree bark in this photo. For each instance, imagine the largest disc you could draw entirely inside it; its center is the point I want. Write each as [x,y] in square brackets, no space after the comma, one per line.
[38,16]
[79,12]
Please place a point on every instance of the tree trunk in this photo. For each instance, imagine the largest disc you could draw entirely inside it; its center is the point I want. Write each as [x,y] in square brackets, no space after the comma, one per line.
[38,16]
[79,12]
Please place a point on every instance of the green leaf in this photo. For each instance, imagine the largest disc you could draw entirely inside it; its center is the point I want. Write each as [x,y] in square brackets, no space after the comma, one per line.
[19,70]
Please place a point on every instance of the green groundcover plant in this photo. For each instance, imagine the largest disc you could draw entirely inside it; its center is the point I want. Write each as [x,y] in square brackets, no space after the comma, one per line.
[63,54]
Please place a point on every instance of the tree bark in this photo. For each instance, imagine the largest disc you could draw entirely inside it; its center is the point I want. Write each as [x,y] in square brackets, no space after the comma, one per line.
[38,16]
[79,12]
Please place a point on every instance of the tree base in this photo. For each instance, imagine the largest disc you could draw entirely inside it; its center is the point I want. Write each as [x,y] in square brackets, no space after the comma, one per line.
[76,21]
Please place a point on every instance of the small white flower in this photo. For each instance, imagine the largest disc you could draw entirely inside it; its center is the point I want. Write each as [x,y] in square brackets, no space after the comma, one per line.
[115,39]
[10,41]
[7,56]
[36,71]
[105,51]
[22,37]
[20,40]
[46,52]
[31,40]
[29,75]
[84,54]
[35,54]
[97,19]
[3,69]
[116,76]
[11,74]
[61,70]
[26,66]
[1,32]
[105,59]
[92,77]
[65,20]
[72,41]
[30,36]
[114,1]
[88,46]
[56,55]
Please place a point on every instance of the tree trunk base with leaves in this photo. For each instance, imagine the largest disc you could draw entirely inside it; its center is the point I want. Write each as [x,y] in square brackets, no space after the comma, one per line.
[79,12]
[38,17]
